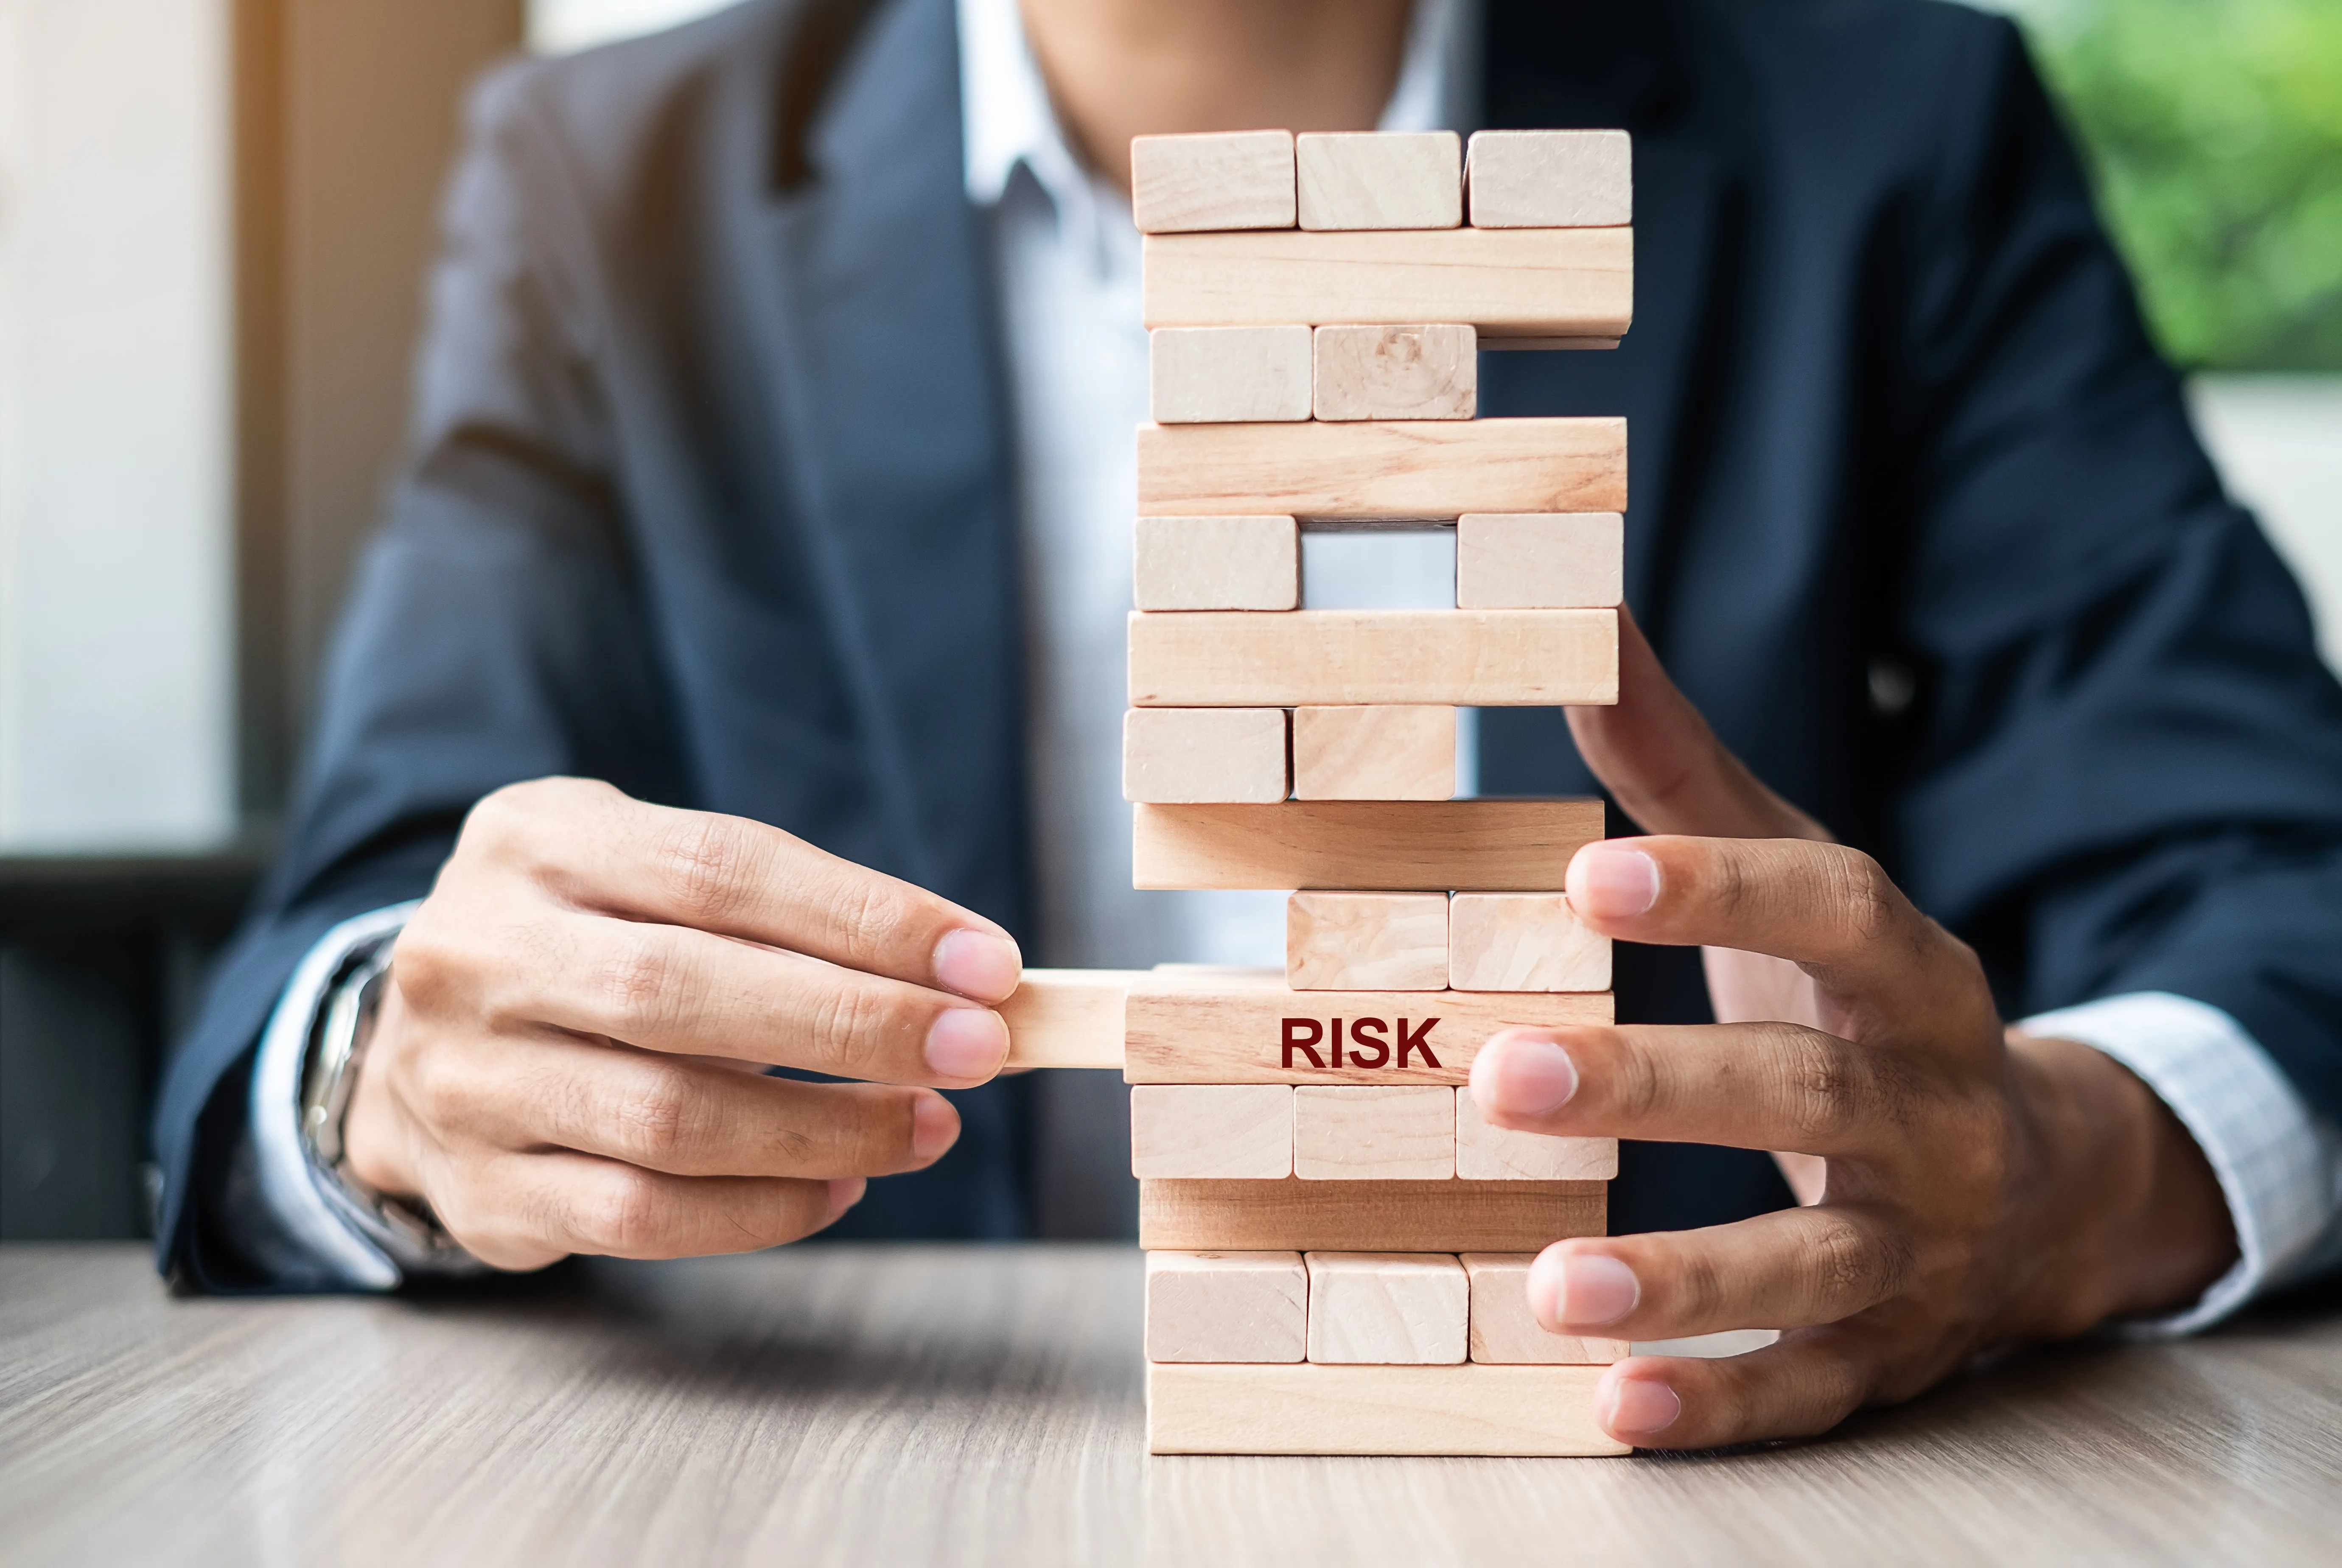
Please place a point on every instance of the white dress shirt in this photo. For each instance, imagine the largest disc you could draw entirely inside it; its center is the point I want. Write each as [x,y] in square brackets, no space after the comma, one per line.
[1069,276]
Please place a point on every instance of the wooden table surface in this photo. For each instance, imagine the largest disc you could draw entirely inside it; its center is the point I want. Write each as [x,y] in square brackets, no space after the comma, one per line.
[936,1406]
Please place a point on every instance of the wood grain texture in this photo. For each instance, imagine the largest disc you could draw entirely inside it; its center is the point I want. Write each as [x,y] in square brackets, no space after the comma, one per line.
[1387,1308]
[1426,1216]
[1379,179]
[1226,1307]
[1189,755]
[1424,470]
[1503,1331]
[1216,564]
[1406,846]
[1068,1018]
[1421,372]
[1525,942]
[1336,658]
[1365,942]
[1374,1132]
[1488,1154]
[1522,1410]
[1184,1027]
[1230,1131]
[1539,560]
[1506,283]
[845,1405]
[1207,375]
[1393,751]
[1212,180]
[1551,179]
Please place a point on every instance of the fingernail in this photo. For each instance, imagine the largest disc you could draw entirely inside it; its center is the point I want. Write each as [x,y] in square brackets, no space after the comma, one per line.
[1639,1407]
[935,1126]
[1609,881]
[844,1193]
[1523,1074]
[966,1043]
[1581,1290]
[982,964]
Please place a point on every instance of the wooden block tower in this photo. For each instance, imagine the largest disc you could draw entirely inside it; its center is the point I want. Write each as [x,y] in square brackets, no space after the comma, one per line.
[1337,1241]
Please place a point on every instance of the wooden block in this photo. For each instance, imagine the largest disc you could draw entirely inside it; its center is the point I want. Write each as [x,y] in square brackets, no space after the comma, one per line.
[1397,753]
[1365,942]
[1379,1133]
[1222,1132]
[1503,1331]
[1068,1018]
[1524,1412]
[1524,942]
[1338,658]
[1430,372]
[1387,1308]
[1367,1216]
[1510,283]
[1410,469]
[1551,179]
[1217,180]
[1199,375]
[1540,560]
[1487,1153]
[1379,179]
[1203,755]
[1198,1027]
[1226,1307]
[1414,846]
[1217,564]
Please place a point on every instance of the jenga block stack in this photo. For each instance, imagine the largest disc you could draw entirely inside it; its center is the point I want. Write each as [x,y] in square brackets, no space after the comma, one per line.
[1339,1240]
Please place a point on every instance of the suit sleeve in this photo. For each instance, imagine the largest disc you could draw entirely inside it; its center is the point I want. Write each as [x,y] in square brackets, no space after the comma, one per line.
[494,633]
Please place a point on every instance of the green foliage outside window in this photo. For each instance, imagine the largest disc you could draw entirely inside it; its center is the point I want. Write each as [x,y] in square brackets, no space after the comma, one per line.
[2213,128]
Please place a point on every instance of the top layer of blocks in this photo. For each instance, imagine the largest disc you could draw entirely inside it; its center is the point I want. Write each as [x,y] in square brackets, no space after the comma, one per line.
[1415,180]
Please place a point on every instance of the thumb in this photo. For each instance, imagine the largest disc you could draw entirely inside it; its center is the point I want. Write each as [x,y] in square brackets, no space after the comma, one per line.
[1663,764]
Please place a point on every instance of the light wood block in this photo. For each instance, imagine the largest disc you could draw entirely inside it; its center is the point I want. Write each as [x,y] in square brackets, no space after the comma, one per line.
[1224,1132]
[1504,1331]
[1524,942]
[1226,1307]
[1379,179]
[1551,179]
[1367,1216]
[1356,1133]
[1184,754]
[1217,564]
[1397,753]
[1401,846]
[1338,658]
[1523,1412]
[1510,283]
[1193,1027]
[1429,371]
[1388,1309]
[1201,375]
[1540,560]
[1217,180]
[1365,942]
[1068,1018]
[1487,1153]
[1411,470]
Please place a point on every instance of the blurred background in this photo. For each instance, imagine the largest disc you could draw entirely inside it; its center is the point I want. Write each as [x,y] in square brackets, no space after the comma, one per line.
[213,219]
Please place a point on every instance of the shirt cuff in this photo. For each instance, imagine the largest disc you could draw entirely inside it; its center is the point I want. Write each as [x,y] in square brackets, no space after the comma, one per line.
[290,1184]
[2275,1161]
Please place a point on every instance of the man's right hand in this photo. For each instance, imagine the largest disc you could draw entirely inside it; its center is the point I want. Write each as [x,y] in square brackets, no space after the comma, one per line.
[568,1054]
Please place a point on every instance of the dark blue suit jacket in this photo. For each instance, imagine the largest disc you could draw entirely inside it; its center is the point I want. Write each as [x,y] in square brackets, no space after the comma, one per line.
[710,496]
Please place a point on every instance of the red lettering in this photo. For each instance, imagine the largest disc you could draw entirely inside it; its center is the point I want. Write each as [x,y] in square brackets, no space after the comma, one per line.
[1364,1031]
[1338,1042]
[1296,1040]
[1416,1040]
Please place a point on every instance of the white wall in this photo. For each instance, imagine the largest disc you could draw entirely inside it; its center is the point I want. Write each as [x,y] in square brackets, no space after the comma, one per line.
[115,466]
[2278,439]
[557,27]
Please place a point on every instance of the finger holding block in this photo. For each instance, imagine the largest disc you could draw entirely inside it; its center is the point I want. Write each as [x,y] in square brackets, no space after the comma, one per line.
[1204,1132]
[1487,1153]
[1505,1333]
[1217,564]
[1523,942]
[1342,1132]
[1229,374]
[1430,372]
[1365,942]
[1400,752]
[1226,1307]
[1215,180]
[1540,560]
[1379,179]
[1388,1309]
[1551,179]
[1187,755]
